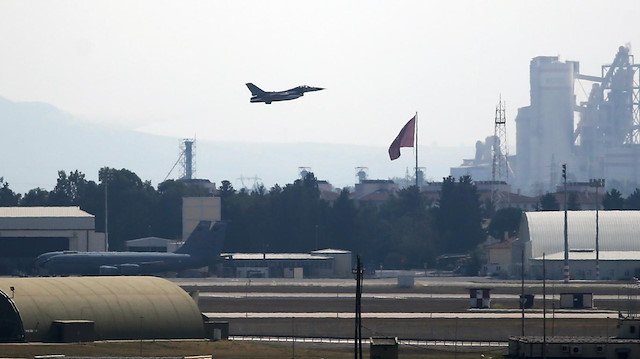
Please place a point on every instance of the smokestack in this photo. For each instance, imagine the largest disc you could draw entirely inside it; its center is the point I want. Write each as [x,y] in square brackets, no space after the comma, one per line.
[188,159]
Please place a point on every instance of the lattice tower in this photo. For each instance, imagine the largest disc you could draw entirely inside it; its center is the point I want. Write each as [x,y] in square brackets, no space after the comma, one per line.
[187,158]
[500,167]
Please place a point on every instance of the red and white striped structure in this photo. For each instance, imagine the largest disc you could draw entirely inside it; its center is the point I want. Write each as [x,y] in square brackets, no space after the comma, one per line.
[480,298]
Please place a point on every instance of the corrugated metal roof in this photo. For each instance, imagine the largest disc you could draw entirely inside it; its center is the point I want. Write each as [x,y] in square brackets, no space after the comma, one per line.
[591,256]
[618,231]
[331,251]
[572,340]
[274,256]
[121,307]
[30,212]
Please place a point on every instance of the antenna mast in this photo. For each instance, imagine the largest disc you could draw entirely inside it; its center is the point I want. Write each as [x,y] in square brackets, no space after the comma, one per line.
[500,167]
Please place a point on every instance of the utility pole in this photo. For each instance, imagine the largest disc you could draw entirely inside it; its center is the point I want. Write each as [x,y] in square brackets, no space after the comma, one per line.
[566,235]
[359,272]
[544,307]
[597,183]
[522,300]
[106,176]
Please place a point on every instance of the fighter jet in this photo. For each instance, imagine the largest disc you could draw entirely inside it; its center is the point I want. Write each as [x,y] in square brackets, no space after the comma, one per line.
[269,96]
[200,249]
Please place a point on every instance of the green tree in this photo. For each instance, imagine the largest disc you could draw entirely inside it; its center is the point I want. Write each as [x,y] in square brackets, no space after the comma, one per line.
[548,202]
[226,193]
[249,221]
[370,234]
[67,189]
[403,234]
[572,202]
[613,200]
[75,190]
[342,224]
[633,201]
[505,220]
[36,197]
[7,197]
[459,216]
[302,210]
[130,206]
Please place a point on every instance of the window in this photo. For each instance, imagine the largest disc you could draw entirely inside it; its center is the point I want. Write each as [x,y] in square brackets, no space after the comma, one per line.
[632,329]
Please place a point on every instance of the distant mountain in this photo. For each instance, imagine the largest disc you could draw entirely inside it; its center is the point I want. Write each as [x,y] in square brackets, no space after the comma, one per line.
[38,139]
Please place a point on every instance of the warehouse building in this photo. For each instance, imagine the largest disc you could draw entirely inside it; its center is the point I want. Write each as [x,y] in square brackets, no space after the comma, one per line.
[542,233]
[26,232]
[96,308]
[324,263]
[623,346]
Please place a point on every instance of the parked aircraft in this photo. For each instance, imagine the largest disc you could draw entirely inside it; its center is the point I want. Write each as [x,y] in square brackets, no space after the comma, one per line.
[201,248]
[269,96]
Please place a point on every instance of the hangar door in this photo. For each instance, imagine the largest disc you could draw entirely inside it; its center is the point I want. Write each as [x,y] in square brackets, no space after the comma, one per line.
[18,253]
[11,329]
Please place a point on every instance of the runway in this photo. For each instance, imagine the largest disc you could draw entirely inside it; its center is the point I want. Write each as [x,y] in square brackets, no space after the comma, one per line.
[434,308]
[329,295]
[462,315]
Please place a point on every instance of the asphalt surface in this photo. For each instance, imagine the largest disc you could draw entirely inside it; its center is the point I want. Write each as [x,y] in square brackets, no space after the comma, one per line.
[396,315]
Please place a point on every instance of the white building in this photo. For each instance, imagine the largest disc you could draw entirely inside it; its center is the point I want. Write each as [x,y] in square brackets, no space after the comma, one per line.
[26,232]
[542,233]
[325,263]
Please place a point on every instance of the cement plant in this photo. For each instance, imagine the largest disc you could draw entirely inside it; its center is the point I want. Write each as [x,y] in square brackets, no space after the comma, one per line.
[596,138]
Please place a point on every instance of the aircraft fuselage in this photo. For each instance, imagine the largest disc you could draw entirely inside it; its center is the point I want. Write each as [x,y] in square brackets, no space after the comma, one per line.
[267,97]
[201,248]
[90,263]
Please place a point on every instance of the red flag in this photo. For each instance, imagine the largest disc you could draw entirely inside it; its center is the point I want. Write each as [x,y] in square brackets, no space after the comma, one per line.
[404,139]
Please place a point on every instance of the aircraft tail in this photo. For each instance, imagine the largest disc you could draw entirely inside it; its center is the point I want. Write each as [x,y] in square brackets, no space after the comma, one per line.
[205,240]
[255,90]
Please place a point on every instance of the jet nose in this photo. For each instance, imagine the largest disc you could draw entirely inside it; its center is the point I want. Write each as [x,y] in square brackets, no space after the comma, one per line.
[317,88]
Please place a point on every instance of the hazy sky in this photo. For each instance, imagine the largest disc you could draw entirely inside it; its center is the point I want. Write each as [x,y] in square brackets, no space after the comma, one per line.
[179,68]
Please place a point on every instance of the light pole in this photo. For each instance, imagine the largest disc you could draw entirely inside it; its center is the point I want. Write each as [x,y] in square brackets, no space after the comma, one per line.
[105,177]
[544,306]
[359,272]
[597,183]
[566,235]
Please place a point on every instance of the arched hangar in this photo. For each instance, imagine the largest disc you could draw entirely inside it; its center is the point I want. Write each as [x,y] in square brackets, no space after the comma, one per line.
[618,250]
[95,308]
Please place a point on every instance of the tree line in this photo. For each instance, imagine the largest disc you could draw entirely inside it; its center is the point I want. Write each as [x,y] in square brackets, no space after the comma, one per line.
[612,200]
[407,231]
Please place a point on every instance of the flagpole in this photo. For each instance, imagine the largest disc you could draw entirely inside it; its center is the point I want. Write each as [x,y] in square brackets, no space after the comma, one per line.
[416,148]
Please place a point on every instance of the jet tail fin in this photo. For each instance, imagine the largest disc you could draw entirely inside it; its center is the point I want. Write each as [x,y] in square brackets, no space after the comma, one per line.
[255,90]
[205,240]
